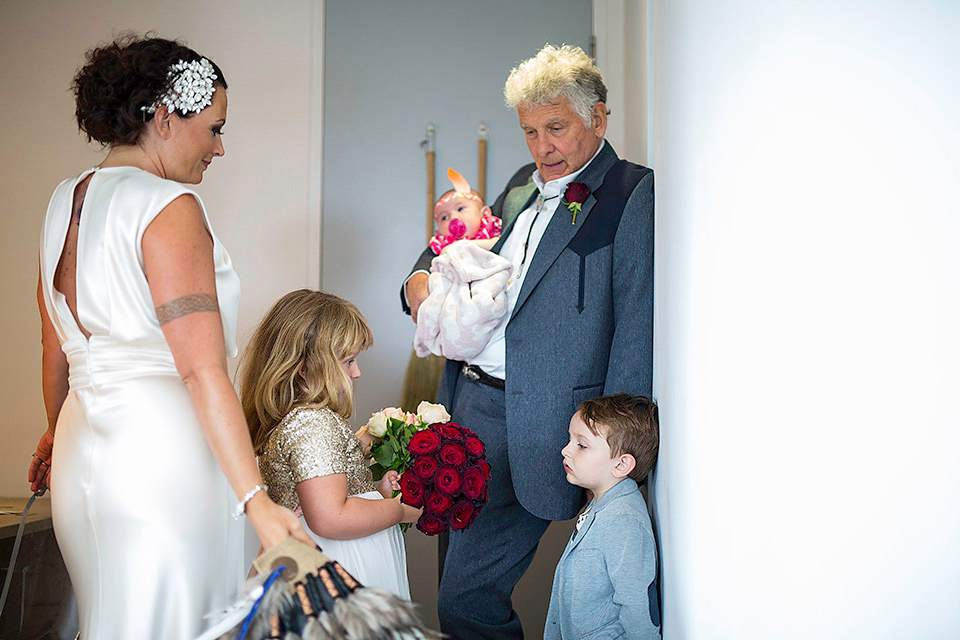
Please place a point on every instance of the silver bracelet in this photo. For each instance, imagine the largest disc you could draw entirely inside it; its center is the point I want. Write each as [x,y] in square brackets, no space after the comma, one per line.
[242,505]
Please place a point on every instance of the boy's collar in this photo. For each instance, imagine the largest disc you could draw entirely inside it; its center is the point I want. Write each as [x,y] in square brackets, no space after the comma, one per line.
[622,487]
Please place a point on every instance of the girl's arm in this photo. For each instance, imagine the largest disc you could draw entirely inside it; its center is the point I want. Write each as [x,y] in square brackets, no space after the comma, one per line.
[55,387]
[331,513]
[178,261]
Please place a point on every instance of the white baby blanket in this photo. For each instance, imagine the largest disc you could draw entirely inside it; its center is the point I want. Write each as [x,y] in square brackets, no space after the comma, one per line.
[467,300]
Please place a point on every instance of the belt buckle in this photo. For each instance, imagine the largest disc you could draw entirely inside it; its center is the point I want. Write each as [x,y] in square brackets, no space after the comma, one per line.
[470,373]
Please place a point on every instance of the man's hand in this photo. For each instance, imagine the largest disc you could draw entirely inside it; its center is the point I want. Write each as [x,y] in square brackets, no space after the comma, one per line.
[417,291]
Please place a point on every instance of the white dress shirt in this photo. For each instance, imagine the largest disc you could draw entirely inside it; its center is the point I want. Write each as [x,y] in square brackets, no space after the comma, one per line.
[531,223]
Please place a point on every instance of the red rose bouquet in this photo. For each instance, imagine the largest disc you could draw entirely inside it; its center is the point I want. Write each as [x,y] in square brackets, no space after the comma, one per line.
[447,476]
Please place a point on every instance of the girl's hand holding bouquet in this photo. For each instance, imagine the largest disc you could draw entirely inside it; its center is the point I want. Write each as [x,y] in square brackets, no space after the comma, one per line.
[389,484]
[389,488]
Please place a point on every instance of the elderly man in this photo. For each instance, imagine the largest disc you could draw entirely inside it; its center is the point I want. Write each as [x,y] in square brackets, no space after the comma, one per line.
[578,228]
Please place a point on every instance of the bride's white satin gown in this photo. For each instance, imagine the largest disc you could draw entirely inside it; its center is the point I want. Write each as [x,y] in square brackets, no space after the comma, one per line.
[141,509]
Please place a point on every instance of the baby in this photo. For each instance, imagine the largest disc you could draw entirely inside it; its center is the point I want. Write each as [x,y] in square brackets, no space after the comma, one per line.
[605,582]
[460,214]
[468,282]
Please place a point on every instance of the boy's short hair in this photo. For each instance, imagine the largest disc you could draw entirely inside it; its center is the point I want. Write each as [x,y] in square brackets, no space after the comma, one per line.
[629,423]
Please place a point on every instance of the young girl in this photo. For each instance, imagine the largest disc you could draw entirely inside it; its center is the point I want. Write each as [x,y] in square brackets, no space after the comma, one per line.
[297,394]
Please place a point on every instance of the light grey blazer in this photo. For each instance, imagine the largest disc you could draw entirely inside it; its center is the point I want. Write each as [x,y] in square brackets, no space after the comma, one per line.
[604,585]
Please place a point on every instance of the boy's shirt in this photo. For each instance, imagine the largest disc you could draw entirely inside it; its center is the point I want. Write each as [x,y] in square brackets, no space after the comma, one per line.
[605,582]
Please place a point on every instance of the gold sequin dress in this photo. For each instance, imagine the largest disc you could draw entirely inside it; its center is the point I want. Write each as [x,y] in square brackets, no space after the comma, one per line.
[312,442]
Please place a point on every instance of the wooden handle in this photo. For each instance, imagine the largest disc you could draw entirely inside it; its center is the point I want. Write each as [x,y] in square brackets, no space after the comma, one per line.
[298,558]
[482,161]
[482,169]
[431,191]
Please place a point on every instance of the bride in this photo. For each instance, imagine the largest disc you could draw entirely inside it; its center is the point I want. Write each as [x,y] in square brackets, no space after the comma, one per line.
[146,452]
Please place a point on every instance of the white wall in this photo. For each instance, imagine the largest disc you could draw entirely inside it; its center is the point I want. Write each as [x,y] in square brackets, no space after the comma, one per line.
[622,43]
[807,318]
[263,195]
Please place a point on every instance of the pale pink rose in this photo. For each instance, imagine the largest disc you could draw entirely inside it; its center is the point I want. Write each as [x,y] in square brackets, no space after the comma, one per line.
[394,412]
[430,412]
[411,418]
[377,425]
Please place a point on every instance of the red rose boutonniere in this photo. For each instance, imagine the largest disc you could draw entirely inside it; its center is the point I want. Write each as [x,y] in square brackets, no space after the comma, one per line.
[575,195]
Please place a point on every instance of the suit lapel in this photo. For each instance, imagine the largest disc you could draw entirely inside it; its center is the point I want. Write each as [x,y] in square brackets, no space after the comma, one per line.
[622,488]
[517,200]
[561,230]
[578,534]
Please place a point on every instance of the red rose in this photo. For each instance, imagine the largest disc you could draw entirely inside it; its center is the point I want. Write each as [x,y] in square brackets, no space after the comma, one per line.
[474,483]
[462,515]
[424,467]
[425,441]
[448,430]
[483,464]
[453,454]
[474,446]
[431,524]
[437,502]
[576,192]
[411,490]
[447,479]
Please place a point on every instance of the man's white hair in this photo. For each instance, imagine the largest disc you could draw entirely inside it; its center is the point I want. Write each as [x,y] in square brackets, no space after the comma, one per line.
[553,74]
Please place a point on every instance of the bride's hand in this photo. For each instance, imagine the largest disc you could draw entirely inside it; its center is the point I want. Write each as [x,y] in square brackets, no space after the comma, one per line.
[38,474]
[274,523]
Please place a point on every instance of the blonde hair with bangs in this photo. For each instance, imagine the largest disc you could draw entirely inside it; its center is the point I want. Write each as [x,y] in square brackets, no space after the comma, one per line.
[293,359]
[553,74]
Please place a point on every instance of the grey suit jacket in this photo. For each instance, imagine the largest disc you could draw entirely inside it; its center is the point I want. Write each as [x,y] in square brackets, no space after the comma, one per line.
[582,327]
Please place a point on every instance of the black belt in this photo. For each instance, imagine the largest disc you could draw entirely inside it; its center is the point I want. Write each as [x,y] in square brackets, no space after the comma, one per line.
[479,375]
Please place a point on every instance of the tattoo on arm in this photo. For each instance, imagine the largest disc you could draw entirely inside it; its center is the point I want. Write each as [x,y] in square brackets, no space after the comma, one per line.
[186,305]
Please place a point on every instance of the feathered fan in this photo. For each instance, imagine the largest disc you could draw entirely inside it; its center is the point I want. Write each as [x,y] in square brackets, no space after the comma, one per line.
[300,593]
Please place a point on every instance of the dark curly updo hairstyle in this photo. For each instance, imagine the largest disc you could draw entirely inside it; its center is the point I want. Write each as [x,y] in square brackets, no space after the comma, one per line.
[121,77]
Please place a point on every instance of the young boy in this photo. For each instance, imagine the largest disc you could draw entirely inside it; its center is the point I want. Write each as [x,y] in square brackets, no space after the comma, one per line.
[605,583]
